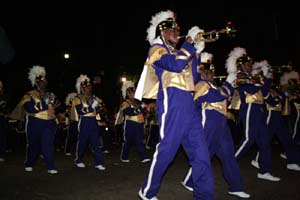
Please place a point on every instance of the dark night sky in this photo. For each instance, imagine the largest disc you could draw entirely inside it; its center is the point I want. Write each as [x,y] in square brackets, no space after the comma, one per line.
[110,40]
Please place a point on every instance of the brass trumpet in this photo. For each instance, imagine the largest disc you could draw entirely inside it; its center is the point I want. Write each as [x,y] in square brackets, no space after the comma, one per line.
[281,68]
[214,35]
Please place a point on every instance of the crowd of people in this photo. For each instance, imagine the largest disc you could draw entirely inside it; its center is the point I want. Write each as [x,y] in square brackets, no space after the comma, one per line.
[187,108]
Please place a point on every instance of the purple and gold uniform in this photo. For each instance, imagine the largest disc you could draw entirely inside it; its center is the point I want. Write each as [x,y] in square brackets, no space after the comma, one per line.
[179,122]
[83,112]
[133,129]
[253,88]
[278,127]
[40,120]
[253,119]
[40,127]
[211,104]
[177,116]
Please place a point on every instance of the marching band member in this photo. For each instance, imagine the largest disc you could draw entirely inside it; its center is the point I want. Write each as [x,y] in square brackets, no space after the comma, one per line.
[168,78]
[278,127]
[275,121]
[133,132]
[84,111]
[40,129]
[252,92]
[291,80]
[211,103]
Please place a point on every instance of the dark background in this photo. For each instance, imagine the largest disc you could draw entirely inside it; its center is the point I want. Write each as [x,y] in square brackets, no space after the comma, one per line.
[110,40]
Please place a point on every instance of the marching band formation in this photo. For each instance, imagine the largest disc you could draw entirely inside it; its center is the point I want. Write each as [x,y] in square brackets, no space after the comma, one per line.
[255,103]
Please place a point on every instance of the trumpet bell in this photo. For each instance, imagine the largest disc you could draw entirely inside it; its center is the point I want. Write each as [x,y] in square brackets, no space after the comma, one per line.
[214,35]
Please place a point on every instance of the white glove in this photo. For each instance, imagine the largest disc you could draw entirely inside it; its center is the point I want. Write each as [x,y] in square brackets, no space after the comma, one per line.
[94,104]
[193,32]
[231,78]
[143,105]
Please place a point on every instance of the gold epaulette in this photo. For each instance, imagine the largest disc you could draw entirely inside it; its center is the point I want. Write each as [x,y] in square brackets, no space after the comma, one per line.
[76,101]
[26,98]
[201,89]
[32,95]
[124,105]
[155,54]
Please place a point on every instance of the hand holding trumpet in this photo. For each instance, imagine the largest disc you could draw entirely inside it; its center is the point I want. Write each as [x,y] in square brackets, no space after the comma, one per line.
[193,33]
[198,35]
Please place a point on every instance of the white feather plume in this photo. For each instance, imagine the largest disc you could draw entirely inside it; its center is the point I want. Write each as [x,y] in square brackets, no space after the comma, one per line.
[257,66]
[260,64]
[156,19]
[70,97]
[236,53]
[80,79]
[284,79]
[125,86]
[34,72]
[205,57]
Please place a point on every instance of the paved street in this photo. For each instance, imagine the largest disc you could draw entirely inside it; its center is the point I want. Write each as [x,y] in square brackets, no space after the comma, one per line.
[121,181]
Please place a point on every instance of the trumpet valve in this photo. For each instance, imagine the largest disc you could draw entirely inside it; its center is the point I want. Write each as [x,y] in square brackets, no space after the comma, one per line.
[217,35]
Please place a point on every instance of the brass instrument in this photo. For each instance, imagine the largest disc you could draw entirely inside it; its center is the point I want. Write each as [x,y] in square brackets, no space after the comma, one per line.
[245,73]
[281,69]
[245,78]
[214,35]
